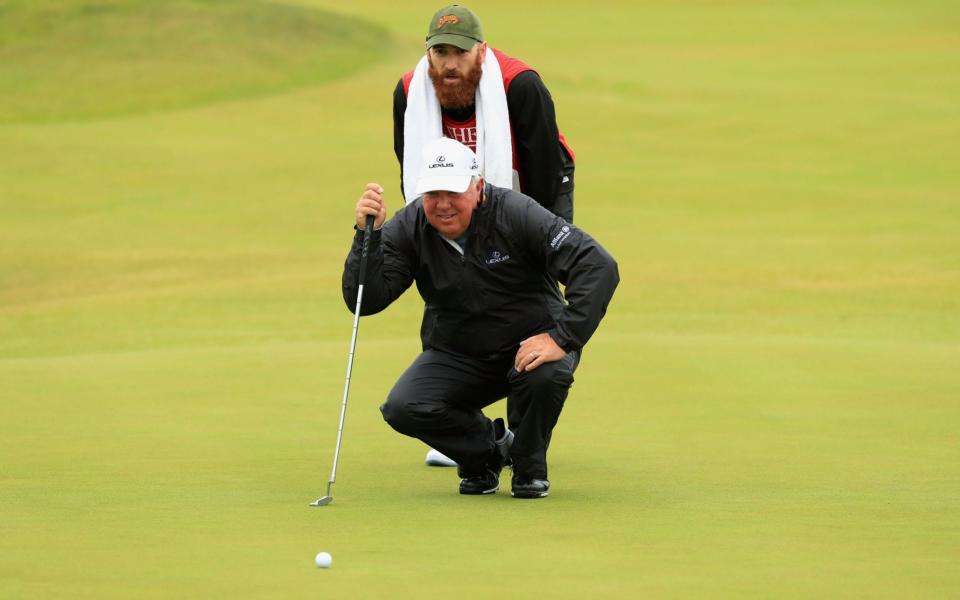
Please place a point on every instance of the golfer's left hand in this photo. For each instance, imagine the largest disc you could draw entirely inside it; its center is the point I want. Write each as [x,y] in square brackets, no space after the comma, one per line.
[536,350]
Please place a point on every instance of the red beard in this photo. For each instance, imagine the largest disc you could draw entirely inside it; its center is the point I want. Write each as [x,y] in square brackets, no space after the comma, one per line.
[460,94]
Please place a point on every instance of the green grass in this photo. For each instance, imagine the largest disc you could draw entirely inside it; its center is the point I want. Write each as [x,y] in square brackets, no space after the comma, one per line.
[769,410]
[96,58]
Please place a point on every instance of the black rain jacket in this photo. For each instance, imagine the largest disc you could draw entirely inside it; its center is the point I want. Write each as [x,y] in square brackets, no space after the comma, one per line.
[502,289]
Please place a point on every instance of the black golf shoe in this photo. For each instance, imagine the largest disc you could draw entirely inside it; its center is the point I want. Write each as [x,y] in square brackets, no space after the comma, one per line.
[488,481]
[529,487]
[485,483]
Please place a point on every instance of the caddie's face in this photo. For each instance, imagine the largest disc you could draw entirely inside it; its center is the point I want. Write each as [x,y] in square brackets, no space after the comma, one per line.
[450,213]
[455,64]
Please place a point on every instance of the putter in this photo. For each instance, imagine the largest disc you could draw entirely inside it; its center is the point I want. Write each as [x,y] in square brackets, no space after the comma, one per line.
[353,346]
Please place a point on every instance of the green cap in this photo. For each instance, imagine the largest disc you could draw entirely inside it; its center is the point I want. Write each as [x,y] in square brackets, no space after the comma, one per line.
[455,25]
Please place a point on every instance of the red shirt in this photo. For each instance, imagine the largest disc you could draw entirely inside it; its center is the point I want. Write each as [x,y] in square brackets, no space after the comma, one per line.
[464,132]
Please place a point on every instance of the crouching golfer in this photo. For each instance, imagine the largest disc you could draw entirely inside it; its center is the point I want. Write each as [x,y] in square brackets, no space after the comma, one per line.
[486,261]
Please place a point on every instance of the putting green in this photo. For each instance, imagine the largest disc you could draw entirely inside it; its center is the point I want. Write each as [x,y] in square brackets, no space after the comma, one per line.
[769,409]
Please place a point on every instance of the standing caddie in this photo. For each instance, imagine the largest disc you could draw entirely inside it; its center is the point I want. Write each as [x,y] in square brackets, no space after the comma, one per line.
[489,101]
[486,261]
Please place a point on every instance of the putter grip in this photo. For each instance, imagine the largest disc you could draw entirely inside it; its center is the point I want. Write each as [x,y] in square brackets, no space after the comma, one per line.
[366,249]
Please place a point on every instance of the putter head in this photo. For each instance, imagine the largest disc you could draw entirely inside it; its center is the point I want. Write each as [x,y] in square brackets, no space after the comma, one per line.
[322,501]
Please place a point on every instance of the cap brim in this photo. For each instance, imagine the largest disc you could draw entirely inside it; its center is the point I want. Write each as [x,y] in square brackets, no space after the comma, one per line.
[460,41]
[449,183]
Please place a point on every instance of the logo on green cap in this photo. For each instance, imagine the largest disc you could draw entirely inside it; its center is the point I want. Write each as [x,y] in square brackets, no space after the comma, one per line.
[447,20]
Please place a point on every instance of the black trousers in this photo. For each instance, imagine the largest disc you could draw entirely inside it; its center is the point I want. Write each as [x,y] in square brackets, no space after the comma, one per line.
[439,398]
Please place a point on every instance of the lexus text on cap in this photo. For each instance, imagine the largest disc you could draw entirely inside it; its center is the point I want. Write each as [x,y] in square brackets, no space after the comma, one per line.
[455,25]
[446,165]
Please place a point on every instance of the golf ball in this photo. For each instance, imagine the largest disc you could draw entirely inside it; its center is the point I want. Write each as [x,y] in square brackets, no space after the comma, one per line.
[324,560]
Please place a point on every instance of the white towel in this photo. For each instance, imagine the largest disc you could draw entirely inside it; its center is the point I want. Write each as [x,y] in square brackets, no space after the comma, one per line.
[422,124]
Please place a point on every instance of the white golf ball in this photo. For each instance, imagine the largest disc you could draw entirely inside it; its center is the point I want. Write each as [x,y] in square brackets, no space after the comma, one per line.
[324,560]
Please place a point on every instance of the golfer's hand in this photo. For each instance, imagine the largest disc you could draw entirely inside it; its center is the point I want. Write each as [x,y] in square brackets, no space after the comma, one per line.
[536,350]
[371,203]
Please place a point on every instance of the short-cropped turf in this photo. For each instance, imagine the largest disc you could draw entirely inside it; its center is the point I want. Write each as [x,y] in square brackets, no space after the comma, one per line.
[769,411]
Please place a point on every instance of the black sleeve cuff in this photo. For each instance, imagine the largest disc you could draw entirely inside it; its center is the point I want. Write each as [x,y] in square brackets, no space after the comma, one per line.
[566,344]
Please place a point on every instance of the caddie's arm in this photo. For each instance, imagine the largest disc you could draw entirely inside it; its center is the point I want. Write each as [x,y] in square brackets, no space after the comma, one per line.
[536,137]
[399,110]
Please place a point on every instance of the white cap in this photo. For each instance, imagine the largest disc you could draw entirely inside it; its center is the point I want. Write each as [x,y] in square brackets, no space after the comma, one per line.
[447,165]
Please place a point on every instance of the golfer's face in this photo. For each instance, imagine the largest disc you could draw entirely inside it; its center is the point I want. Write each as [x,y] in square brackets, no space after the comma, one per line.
[450,213]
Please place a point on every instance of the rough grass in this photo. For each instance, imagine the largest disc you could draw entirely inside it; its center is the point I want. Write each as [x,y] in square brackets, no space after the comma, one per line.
[107,57]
